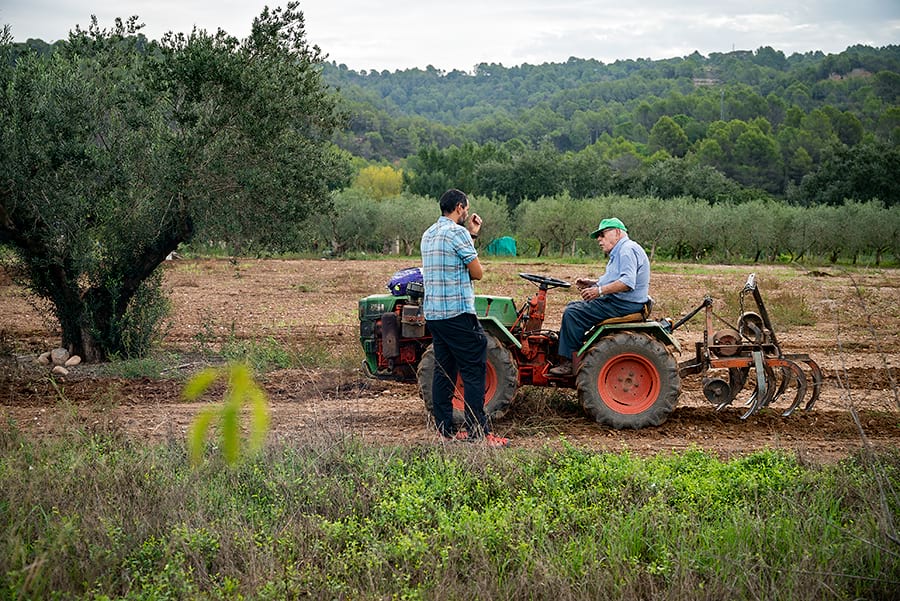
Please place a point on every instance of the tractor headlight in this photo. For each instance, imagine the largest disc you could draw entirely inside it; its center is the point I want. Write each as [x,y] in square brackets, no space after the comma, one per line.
[368,310]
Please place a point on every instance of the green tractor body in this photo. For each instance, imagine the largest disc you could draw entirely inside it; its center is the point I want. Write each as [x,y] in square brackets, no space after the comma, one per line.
[396,343]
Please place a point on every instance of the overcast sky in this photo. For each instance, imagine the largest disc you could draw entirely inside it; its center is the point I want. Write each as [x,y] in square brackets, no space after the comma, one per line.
[459,34]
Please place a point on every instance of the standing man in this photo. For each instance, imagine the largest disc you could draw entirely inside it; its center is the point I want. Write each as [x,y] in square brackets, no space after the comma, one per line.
[449,265]
[624,288]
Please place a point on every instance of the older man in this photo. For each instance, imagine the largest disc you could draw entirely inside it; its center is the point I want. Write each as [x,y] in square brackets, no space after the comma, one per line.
[622,289]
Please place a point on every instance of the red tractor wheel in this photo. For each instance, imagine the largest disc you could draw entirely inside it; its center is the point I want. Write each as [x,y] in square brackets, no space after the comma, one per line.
[628,380]
[500,382]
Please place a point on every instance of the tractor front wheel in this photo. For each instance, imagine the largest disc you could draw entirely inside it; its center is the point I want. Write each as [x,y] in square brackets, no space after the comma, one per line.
[501,379]
[628,380]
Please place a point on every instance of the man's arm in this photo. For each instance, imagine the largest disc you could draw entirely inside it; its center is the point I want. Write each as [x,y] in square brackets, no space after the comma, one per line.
[614,287]
[596,291]
[475,270]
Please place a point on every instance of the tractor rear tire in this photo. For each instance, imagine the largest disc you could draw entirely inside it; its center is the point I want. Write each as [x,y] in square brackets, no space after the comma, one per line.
[628,380]
[501,381]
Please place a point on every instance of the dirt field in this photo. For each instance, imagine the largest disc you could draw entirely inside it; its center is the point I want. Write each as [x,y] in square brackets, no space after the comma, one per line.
[310,306]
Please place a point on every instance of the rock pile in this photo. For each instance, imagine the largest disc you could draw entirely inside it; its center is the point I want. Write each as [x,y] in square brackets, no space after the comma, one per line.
[60,359]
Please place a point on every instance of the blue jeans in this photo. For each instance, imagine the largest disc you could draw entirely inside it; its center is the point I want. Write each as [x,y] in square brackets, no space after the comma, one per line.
[460,349]
[581,316]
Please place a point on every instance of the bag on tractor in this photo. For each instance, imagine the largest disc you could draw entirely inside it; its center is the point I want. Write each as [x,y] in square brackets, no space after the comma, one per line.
[400,280]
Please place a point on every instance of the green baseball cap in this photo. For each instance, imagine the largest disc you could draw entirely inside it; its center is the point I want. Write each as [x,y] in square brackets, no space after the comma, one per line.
[610,222]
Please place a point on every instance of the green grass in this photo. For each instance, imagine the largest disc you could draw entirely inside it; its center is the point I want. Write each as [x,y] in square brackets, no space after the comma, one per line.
[94,515]
[154,366]
[786,308]
[262,355]
[270,354]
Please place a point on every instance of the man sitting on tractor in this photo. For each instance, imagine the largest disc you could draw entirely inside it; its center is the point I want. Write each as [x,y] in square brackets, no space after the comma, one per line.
[622,289]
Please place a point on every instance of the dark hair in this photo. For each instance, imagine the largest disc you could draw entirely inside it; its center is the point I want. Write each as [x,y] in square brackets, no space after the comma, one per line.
[451,198]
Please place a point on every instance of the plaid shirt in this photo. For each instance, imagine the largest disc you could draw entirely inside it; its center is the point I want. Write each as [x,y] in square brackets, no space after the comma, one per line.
[446,251]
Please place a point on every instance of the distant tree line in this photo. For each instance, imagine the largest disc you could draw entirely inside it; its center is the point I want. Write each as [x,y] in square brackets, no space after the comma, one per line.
[862,172]
[682,228]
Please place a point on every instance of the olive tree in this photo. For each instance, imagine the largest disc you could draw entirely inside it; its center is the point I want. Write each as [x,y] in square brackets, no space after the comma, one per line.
[115,149]
[556,222]
[403,218]
[350,225]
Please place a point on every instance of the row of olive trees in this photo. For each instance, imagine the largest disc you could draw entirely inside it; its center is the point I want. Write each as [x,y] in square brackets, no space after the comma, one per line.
[680,228]
[358,223]
[690,229]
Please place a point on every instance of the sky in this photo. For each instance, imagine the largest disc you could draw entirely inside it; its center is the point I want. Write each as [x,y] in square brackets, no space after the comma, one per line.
[460,34]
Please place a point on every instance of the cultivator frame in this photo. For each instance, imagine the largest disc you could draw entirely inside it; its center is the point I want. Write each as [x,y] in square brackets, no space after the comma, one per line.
[752,344]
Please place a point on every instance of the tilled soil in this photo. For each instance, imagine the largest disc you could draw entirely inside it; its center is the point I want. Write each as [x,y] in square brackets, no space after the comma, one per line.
[309,306]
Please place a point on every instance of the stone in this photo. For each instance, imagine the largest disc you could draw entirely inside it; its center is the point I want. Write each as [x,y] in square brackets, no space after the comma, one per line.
[44,358]
[59,369]
[72,361]
[59,356]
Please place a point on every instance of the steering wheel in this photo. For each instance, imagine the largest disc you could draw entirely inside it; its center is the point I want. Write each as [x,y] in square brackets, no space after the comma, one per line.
[545,281]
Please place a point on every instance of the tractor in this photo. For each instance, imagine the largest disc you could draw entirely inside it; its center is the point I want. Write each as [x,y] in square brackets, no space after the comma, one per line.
[626,375]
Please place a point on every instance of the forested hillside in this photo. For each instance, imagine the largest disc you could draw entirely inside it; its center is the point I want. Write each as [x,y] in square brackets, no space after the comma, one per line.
[735,156]
[807,128]
[810,128]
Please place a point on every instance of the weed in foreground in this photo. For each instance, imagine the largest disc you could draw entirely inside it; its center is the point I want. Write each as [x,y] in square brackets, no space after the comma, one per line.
[242,390]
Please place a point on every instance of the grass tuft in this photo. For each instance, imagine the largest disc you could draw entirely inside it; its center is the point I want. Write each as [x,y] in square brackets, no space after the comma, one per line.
[154,366]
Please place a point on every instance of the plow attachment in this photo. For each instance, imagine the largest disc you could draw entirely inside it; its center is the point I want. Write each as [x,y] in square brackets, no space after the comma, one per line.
[751,348]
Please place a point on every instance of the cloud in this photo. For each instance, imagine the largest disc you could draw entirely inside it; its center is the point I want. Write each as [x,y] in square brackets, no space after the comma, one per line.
[372,34]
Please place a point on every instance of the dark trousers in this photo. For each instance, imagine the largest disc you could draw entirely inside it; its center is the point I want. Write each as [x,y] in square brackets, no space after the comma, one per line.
[460,349]
[580,316]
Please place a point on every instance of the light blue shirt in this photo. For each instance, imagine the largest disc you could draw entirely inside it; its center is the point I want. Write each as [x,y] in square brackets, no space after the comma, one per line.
[629,263]
[447,249]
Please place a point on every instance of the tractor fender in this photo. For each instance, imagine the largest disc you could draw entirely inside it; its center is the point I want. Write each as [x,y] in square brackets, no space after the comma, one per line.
[495,327]
[652,328]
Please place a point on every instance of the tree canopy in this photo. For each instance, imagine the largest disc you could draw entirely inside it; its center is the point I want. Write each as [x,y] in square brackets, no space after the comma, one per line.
[115,150]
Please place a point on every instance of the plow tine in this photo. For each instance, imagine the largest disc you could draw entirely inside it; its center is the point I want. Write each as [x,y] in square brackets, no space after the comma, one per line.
[783,383]
[771,388]
[737,377]
[816,383]
[815,377]
[751,402]
[800,377]
[762,386]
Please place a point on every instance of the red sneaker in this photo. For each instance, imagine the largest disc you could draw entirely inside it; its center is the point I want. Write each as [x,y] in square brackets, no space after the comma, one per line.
[495,442]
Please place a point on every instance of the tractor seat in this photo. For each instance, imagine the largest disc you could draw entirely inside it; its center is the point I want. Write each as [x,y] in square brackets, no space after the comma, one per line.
[643,315]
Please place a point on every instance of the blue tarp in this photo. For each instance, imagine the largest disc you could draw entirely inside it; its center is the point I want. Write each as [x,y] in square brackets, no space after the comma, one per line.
[502,247]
